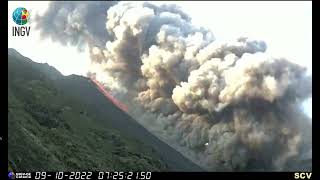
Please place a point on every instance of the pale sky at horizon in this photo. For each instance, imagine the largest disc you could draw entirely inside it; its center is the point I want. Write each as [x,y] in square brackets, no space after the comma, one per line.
[285,26]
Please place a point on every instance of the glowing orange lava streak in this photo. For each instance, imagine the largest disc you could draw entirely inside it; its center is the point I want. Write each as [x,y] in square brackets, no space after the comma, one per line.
[109,96]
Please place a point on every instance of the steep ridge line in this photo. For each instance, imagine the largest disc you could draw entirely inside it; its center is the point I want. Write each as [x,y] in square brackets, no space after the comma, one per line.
[109,96]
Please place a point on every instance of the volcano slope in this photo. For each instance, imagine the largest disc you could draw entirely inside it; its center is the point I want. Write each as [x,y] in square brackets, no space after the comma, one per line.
[63,123]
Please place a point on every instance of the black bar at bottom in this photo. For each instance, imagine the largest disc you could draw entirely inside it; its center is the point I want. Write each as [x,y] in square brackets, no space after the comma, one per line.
[161,175]
[234,175]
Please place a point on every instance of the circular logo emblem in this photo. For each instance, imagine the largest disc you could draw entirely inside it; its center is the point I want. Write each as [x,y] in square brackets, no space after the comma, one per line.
[21,16]
[11,175]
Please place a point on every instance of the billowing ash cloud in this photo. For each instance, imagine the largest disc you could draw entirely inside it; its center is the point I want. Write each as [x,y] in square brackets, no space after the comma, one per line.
[75,23]
[225,105]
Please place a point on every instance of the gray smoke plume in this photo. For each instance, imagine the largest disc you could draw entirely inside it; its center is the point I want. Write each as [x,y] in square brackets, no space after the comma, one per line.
[75,22]
[227,106]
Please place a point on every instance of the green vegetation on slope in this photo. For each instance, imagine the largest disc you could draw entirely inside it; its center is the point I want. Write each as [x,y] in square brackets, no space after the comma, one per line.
[51,131]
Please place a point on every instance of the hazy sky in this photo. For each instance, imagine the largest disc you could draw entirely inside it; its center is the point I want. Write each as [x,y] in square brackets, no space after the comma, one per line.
[285,26]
